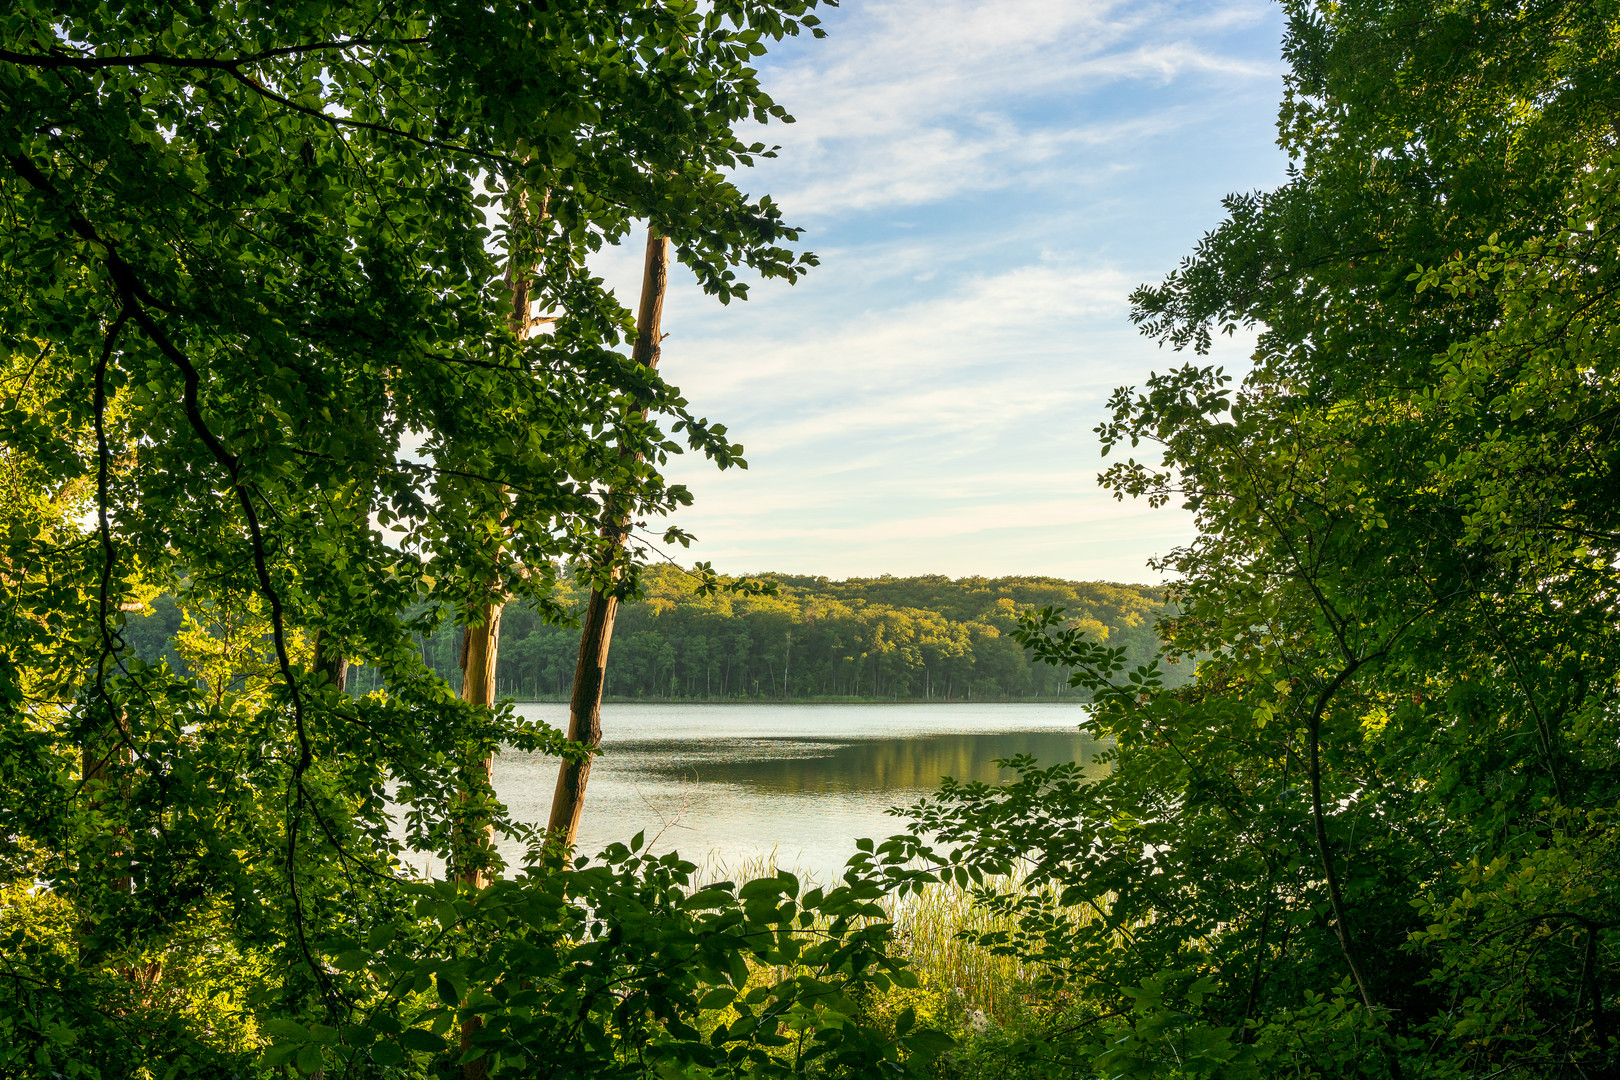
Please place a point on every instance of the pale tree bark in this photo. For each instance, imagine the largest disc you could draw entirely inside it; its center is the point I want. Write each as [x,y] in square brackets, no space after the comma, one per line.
[330,662]
[585,705]
[474,835]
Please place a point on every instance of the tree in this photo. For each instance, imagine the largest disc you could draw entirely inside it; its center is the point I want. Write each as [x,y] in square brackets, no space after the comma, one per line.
[596,634]
[259,354]
[949,633]
[1398,761]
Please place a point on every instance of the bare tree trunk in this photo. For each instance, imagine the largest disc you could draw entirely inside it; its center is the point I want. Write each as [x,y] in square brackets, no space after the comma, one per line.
[330,663]
[585,706]
[584,715]
[473,833]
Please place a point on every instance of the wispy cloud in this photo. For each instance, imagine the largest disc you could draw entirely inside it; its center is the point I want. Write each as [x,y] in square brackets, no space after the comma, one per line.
[912,102]
[978,323]
[985,182]
[950,433]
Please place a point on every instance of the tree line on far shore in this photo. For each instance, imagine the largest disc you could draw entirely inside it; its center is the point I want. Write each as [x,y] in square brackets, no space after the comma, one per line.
[928,638]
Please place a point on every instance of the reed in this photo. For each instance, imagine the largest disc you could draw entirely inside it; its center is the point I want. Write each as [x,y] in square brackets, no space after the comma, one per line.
[936,930]
[715,867]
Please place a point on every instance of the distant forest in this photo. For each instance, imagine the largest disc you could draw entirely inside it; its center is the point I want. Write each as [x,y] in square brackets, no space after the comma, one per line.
[886,638]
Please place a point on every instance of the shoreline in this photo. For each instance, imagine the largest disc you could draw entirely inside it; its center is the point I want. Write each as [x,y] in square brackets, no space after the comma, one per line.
[806,701]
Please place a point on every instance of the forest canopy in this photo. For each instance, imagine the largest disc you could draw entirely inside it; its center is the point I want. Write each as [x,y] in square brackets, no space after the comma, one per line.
[888,638]
[297,326]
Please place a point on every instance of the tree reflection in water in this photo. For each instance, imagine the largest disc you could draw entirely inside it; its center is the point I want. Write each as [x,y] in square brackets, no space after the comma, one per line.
[739,782]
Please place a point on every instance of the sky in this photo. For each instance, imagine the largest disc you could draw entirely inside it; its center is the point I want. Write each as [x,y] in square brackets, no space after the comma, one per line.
[984,183]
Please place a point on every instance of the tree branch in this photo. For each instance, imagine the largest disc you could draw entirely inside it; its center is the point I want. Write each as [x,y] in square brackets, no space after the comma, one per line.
[131,295]
[232,67]
[56,61]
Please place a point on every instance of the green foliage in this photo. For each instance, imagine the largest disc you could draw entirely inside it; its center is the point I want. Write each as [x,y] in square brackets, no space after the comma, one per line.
[918,639]
[265,303]
[253,308]
[1376,837]
[622,968]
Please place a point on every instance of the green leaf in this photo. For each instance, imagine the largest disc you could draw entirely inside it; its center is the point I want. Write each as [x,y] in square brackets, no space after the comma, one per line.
[718,998]
[309,1059]
[279,1054]
[387,1054]
[353,960]
[359,1035]
[284,1030]
[928,1043]
[419,1039]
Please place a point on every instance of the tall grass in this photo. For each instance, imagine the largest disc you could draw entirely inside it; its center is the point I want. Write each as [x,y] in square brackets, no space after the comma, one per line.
[936,931]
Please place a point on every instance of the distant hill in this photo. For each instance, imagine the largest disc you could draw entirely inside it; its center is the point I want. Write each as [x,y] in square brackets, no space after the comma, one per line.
[928,638]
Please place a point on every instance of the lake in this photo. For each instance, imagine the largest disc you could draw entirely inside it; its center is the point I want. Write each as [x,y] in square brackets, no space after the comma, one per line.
[736,783]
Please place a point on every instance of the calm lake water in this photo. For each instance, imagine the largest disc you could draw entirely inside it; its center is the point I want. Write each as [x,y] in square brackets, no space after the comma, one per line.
[740,782]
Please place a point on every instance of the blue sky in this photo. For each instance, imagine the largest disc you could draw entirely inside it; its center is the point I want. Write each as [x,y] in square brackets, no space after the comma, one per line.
[985,182]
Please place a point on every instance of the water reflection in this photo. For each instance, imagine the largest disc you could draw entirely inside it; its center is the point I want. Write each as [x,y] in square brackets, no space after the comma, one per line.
[738,782]
[793,767]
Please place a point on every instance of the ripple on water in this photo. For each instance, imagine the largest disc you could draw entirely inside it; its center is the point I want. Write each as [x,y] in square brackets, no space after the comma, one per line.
[738,782]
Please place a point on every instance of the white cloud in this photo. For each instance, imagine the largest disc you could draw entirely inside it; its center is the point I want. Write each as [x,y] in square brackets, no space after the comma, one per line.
[949,434]
[911,102]
[986,182]
[984,319]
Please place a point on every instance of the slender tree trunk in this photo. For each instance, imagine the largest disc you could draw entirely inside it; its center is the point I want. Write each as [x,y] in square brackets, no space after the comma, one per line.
[584,714]
[330,662]
[590,672]
[1341,923]
[473,834]
[480,640]
[1335,893]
